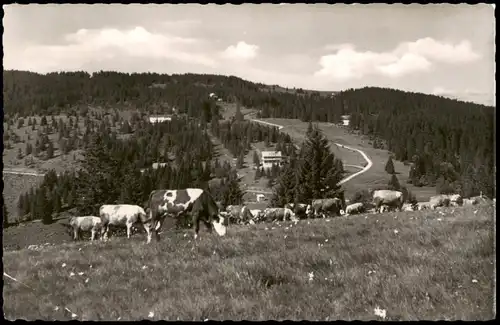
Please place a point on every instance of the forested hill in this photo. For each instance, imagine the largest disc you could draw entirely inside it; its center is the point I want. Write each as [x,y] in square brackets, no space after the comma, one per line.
[450,142]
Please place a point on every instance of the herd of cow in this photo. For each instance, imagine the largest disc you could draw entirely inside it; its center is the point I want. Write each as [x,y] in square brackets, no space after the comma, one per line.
[200,205]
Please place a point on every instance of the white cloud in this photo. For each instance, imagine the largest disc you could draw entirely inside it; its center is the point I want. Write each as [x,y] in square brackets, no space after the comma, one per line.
[440,51]
[408,63]
[407,58]
[95,45]
[242,51]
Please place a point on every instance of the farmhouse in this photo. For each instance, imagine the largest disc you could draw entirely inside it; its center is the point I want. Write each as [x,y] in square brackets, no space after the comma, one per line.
[268,158]
[159,119]
[345,120]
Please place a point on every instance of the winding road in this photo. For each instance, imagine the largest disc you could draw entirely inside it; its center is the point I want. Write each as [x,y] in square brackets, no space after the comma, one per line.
[348,178]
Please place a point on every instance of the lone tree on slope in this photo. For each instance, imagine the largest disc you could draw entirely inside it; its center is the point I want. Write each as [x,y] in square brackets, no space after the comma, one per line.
[389,166]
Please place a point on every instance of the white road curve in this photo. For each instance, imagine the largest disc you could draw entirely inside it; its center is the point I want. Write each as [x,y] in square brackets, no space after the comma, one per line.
[22,173]
[348,178]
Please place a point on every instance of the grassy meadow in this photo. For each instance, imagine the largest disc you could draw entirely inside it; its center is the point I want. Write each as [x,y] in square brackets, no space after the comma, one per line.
[410,265]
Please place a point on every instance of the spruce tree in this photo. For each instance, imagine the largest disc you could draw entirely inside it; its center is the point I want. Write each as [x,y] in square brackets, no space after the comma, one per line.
[394,183]
[5,213]
[389,166]
[319,171]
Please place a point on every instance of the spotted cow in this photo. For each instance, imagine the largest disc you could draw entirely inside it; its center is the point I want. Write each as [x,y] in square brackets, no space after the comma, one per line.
[177,203]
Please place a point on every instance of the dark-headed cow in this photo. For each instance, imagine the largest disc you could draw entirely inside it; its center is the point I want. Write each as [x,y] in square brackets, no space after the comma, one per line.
[326,207]
[388,198]
[177,203]
[239,214]
[86,223]
[300,210]
[277,214]
[124,215]
[441,200]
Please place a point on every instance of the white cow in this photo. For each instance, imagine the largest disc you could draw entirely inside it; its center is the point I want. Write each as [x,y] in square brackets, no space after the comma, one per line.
[121,215]
[355,208]
[409,207]
[85,223]
[423,206]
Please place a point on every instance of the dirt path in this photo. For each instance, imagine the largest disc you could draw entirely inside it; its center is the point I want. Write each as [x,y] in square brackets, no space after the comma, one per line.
[348,178]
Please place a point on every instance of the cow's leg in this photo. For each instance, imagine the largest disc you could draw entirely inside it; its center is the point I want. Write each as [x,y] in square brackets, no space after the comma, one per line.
[92,234]
[129,229]
[196,225]
[75,233]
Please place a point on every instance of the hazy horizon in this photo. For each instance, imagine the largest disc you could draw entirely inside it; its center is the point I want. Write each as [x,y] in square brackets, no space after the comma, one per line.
[445,50]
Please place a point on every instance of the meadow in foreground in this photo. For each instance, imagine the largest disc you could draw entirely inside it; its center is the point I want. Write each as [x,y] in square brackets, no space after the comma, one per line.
[412,265]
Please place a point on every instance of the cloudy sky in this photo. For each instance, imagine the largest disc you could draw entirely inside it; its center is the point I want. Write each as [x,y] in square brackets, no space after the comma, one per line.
[440,49]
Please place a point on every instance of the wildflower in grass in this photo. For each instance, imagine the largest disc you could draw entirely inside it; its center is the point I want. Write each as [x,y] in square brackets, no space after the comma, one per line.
[326,240]
[380,312]
[71,274]
[63,265]
[439,219]
[56,308]
[144,267]
[331,262]
[151,314]
[474,281]
[285,237]
[80,273]
[396,231]
[87,280]
[311,276]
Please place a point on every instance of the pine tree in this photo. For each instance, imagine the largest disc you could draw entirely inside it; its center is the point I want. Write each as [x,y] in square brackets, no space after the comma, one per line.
[389,166]
[319,172]
[5,213]
[50,150]
[99,180]
[394,183]
[256,159]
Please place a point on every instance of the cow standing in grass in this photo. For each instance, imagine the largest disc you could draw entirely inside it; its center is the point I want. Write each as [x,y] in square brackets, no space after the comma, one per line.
[301,209]
[124,215]
[177,203]
[239,214]
[389,198]
[355,208]
[85,223]
[277,214]
[326,207]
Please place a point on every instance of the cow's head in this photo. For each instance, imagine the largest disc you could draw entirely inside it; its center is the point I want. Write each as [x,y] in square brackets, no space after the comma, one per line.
[220,223]
[309,210]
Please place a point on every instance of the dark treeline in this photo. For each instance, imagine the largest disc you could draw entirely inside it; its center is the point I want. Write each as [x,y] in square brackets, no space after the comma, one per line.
[116,170]
[448,142]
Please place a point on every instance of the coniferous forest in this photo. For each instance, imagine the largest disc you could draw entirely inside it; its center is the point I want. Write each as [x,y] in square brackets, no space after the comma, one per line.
[449,143]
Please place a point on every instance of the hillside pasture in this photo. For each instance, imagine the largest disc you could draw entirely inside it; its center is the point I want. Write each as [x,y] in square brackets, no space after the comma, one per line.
[376,176]
[13,186]
[414,265]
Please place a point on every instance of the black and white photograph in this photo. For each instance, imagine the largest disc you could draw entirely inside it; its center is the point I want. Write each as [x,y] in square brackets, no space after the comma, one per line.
[210,162]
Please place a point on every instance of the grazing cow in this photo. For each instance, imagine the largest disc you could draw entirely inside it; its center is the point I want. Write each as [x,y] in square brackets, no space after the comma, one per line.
[257,214]
[441,200]
[121,215]
[177,203]
[409,207]
[456,200]
[239,214]
[330,207]
[300,210]
[275,214]
[389,198]
[423,206]
[355,208]
[86,223]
